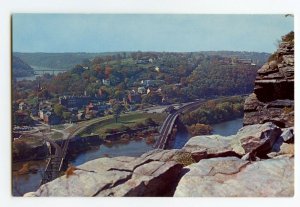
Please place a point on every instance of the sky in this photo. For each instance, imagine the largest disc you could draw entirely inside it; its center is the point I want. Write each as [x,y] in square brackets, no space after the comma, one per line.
[147,32]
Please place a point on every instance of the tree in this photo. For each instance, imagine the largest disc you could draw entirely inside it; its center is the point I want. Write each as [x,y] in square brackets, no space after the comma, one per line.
[200,129]
[66,115]
[45,94]
[58,109]
[20,149]
[119,95]
[78,69]
[152,98]
[107,71]
[22,119]
[150,122]
[117,110]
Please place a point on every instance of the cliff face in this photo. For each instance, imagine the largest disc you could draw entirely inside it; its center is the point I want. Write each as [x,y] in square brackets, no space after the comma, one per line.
[273,97]
[257,161]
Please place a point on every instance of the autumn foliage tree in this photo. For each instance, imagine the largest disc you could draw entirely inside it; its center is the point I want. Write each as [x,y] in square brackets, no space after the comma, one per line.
[200,129]
[117,110]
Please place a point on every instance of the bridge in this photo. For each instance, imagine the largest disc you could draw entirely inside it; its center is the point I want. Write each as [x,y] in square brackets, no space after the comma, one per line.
[53,71]
[55,163]
[56,159]
[165,130]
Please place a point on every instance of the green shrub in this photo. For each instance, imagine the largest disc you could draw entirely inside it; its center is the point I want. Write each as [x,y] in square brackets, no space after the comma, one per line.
[185,159]
[289,37]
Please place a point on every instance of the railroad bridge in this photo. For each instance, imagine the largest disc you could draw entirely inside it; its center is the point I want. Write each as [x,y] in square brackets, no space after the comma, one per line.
[165,130]
[56,160]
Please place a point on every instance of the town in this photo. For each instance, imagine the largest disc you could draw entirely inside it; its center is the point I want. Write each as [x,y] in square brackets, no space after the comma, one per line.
[141,94]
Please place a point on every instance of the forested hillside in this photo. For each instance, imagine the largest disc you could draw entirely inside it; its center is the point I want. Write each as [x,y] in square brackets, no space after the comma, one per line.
[174,77]
[20,68]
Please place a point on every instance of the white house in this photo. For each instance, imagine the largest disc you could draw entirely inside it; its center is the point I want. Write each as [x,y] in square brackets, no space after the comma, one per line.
[141,90]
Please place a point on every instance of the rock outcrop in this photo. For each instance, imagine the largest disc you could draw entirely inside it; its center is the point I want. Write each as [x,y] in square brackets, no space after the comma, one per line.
[232,177]
[256,139]
[119,176]
[273,97]
[213,167]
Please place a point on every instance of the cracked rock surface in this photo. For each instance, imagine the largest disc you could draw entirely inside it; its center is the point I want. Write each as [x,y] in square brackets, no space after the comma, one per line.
[231,177]
[119,176]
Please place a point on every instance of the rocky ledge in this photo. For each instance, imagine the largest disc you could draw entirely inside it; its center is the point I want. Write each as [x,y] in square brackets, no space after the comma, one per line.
[257,161]
[273,97]
[232,177]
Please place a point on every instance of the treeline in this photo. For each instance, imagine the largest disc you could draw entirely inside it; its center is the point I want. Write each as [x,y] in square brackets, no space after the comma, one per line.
[215,111]
[209,79]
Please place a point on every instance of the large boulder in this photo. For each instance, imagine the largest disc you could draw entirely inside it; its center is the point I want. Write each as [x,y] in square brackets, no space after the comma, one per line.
[84,183]
[287,136]
[119,176]
[233,177]
[208,146]
[152,179]
[257,139]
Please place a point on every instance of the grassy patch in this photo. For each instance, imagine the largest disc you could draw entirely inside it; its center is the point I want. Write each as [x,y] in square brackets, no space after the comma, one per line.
[57,135]
[126,120]
[185,159]
[58,127]
[32,140]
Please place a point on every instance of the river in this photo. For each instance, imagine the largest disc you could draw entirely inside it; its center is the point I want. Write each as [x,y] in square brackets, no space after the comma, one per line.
[30,182]
[228,128]
[225,129]
[39,71]
[134,148]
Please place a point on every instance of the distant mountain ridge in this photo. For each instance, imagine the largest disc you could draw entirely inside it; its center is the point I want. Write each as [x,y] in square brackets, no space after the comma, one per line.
[54,60]
[68,60]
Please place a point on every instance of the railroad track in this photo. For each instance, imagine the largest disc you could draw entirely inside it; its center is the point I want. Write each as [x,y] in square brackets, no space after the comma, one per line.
[55,162]
[167,126]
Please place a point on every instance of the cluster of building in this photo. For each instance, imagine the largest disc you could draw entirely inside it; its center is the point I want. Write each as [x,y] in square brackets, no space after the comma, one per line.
[245,61]
[77,108]
[144,60]
[233,61]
